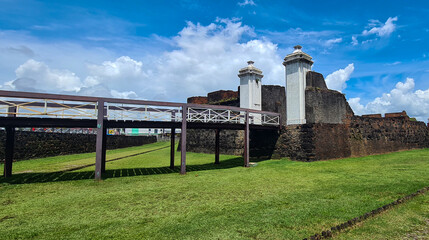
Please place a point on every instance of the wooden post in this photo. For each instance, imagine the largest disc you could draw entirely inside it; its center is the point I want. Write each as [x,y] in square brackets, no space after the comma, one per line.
[100,149]
[103,152]
[183,141]
[9,146]
[172,148]
[246,140]
[217,133]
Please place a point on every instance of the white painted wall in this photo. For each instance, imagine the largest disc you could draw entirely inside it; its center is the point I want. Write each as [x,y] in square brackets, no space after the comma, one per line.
[251,90]
[295,91]
[297,64]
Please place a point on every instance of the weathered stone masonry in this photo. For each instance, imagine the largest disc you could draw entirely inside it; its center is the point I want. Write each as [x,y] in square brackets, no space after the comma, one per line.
[361,137]
[331,129]
[347,135]
[381,135]
[38,144]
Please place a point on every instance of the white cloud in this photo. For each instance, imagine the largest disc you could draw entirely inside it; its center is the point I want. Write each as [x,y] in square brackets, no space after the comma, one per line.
[377,28]
[17,47]
[402,97]
[209,57]
[38,75]
[123,70]
[330,42]
[357,107]
[308,39]
[246,2]
[337,80]
[393,64]
[205,58]
[354,41]
[128,94]
[380,29]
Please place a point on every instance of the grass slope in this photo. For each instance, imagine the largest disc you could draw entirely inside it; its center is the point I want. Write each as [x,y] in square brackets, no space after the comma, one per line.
[277,199]
[407,221]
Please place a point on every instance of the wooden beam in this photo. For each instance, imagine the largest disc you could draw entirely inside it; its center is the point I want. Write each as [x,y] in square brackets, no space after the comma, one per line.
[217,133]
[183,140]
[172,147]
[246,141]
[9,146]
[100,147]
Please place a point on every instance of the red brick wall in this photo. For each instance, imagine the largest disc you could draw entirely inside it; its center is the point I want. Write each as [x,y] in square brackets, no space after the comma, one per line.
[198,100]
[360,137]
[373,136]
[399,114]
[221,95]
[372,116]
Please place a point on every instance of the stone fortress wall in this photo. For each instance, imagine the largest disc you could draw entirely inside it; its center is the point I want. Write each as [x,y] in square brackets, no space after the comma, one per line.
[331,130]
[42,144]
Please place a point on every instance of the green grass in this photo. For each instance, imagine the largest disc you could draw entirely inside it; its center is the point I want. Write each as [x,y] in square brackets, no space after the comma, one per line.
[60,163]
[277,199]
[407,221]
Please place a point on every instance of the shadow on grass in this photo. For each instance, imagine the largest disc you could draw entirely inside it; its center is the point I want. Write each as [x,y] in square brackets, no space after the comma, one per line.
[42,177]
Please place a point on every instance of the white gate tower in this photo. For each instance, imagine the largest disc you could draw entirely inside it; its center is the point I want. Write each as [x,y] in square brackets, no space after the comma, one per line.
[250,87]
[250,90]
[297,64]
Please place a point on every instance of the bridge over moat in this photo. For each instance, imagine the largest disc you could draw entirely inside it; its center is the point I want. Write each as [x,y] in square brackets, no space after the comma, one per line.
[28,109]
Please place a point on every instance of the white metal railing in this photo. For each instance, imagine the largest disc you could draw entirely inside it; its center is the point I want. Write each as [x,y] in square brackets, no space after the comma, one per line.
[47,108]
[21,104]
[208,115]
[135,112]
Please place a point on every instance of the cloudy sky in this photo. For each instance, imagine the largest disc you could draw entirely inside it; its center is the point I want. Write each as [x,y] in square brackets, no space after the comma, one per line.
[375,52]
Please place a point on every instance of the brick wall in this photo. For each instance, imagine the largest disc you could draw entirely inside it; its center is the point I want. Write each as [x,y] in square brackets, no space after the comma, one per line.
[332,130]
[360,137]
[380,135]
[198,100]
[36,144]
[221,95]
[311,142]
[203,140]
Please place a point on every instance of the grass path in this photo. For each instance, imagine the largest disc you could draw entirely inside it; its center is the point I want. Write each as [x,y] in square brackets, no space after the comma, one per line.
[277,199]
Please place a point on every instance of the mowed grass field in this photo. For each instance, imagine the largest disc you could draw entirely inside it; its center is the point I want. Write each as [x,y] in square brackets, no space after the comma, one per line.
[141,198]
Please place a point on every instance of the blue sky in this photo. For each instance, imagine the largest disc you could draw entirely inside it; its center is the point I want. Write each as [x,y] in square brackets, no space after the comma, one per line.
[376,52]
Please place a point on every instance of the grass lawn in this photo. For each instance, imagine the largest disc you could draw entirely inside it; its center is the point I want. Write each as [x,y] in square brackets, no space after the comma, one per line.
[141,198]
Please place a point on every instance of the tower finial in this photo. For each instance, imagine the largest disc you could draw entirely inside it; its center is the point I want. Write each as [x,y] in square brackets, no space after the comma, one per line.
[297,48]
[250,63]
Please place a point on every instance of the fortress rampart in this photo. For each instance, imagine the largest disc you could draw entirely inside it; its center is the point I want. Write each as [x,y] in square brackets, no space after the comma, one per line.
[331,129]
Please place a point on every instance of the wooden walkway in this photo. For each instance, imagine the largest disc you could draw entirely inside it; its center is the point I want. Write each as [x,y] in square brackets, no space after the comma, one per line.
[27,109]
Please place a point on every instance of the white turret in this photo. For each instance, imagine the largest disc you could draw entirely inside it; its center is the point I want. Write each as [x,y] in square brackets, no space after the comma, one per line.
[250,87]
[297,64]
